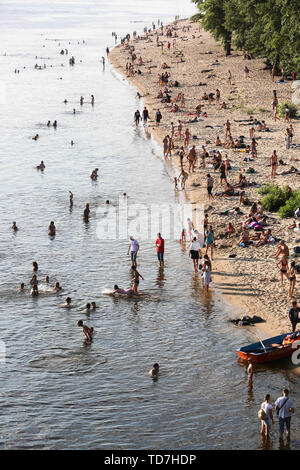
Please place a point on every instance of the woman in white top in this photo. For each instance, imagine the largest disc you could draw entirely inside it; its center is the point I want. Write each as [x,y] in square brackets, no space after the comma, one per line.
[266,425]
[195,253]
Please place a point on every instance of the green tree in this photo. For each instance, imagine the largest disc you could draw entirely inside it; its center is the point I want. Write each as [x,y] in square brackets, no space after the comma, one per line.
[212,15]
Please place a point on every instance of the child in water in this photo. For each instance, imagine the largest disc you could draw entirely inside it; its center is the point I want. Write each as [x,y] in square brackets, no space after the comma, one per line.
[154,371]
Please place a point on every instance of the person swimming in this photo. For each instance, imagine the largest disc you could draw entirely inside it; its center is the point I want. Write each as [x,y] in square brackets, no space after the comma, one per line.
[33,280]
[51,229]
[87,308]
[117,290]
[22,286]
[34,291]
[57,287]
[41,166]
[93,305]
[35,266]
[154,371]
[14,227]
[67,303]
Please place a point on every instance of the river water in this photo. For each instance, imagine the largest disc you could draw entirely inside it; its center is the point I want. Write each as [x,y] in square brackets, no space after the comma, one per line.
[56,392]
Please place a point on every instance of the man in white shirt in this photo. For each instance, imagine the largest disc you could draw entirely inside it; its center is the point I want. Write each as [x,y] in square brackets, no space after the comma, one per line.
[133,249]
[286,407]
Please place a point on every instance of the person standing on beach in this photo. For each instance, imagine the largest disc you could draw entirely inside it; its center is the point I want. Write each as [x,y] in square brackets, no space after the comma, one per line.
[210,185]
[294,315]
[292,278]
[195,253]
[209,241]
[145,115]
[285,408]
[158,117]
[133,249]
[137,117]
[160,249]
[274,164]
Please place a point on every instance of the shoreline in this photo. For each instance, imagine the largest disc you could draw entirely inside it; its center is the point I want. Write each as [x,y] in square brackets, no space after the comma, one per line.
[225,270]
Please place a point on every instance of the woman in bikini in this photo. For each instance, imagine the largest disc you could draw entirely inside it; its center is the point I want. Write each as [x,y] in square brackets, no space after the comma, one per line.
[136,279]
[292,278]
[284,266]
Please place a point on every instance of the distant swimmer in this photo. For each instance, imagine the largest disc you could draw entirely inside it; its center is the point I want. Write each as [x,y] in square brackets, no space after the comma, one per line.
[94,174]
[14,227]
[47,280]
[107,201]
[51,229]
[87,331]
[81,100]
[57,287]
[65,101]
[86,212]
[67,303]
[35,137]
[92,100]
[74,111]
[41,166]
[33,280]
[71,198]
[93,305]
[34,291]
[55,124]
[87,308]
[103,62]
[35,266]
[154,371]
[21,288]
[72,143]
[48,123]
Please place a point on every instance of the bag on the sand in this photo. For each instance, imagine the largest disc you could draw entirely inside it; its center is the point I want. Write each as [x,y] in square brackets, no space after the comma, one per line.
[262,415]
[297,250]
[250,170]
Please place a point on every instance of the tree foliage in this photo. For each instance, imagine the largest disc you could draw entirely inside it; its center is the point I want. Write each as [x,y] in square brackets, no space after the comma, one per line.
[265,28]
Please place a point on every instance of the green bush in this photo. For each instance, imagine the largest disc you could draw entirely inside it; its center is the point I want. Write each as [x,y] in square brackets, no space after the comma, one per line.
[275,198]
[291,205]
[292,108]
[266,188]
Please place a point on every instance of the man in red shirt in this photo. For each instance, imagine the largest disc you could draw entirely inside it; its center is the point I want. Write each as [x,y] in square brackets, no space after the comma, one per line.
[160,249]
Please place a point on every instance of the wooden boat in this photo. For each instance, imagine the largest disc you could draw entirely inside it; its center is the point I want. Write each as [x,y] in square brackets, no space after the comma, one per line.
[270,349]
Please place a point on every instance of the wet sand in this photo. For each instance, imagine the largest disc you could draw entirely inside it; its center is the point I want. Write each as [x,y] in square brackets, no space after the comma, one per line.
[251,280]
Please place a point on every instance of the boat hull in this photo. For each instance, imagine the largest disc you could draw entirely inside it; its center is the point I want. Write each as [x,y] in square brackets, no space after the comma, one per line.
[274,350]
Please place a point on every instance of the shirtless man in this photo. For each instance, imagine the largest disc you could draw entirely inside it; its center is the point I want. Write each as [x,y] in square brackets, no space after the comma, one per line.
[14,227]
[67,303]
[192,156]
[87,331]
[250,372]
[274,164]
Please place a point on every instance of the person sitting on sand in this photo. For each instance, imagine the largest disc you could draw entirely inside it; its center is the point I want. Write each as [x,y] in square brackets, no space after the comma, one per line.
[218,142]
[229,230]
[223,105]
[229,191]
[229,142]
[87,331]
[244,201]
[154,371]
[204,96]
[265,237]
[245,238]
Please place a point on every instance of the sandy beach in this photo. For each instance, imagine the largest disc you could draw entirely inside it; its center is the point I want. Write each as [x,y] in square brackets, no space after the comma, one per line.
[251,279]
